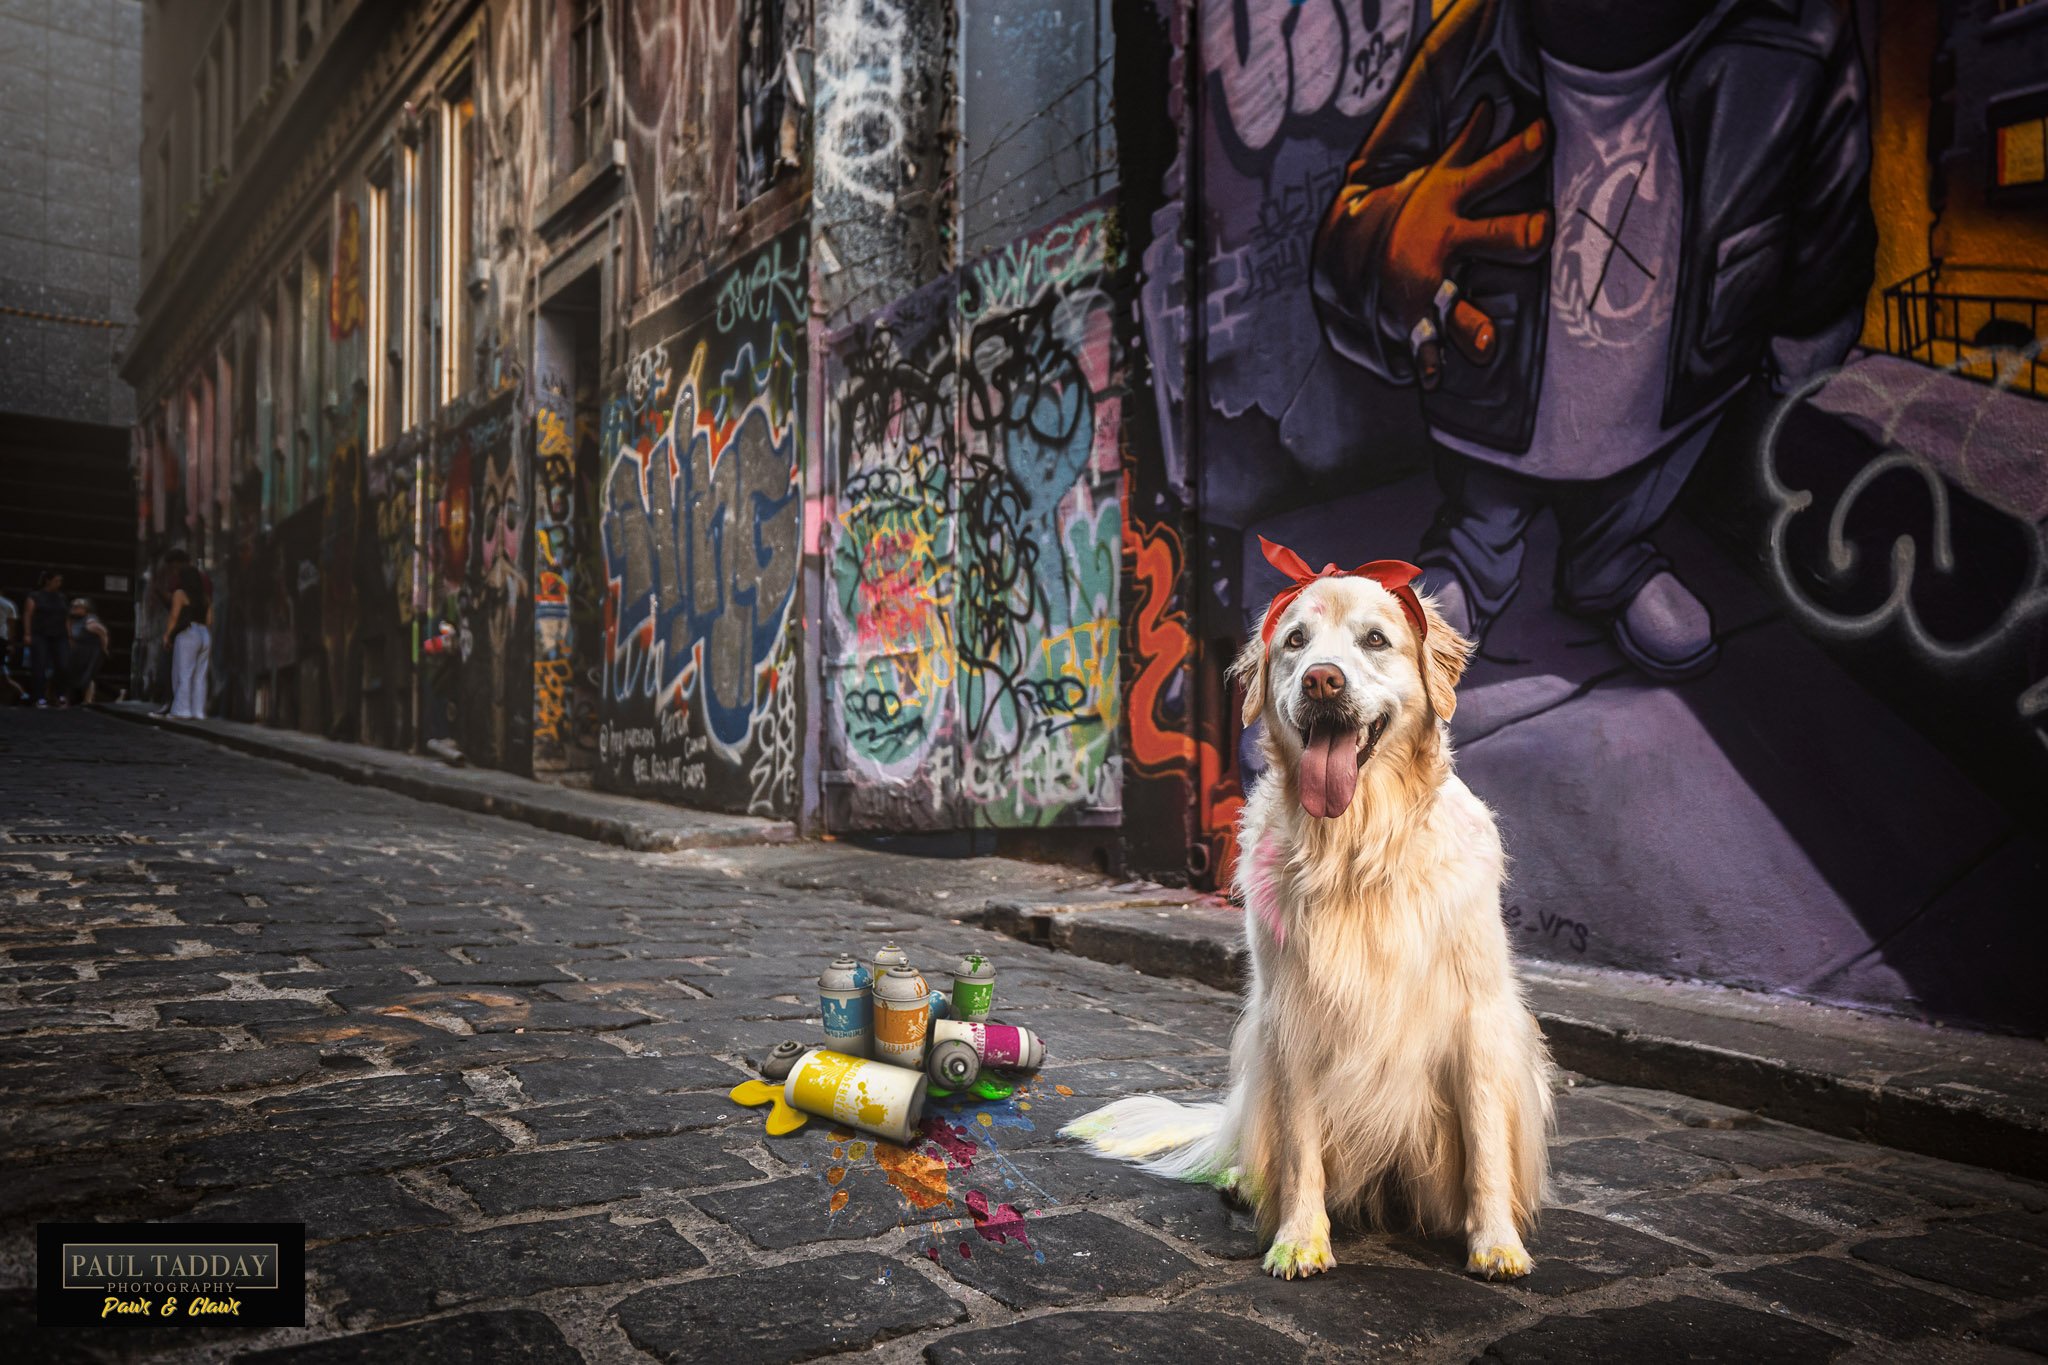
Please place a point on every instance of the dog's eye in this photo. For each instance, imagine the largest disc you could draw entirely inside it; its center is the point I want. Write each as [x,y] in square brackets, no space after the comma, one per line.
[1296,638]
[1375,640]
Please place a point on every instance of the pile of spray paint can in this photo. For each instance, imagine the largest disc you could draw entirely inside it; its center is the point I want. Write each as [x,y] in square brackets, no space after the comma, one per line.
[890,1041]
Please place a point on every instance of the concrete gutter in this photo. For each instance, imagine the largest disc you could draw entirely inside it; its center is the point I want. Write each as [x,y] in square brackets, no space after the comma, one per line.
[1950,1093]
[647,826]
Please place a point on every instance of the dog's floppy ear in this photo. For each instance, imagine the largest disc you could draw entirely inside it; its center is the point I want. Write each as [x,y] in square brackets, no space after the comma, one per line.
[1250,669]
[1444,656]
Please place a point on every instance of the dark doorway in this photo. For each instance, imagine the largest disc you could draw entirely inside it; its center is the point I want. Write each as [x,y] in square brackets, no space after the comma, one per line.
[568,624]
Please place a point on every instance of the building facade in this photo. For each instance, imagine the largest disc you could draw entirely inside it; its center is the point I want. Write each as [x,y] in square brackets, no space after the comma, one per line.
[858,412]
[70,182]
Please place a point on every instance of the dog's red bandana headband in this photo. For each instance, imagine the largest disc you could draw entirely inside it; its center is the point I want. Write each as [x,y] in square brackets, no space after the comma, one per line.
[1395,575]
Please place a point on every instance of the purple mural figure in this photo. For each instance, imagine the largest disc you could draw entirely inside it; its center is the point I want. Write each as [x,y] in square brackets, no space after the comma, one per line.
[1581,246]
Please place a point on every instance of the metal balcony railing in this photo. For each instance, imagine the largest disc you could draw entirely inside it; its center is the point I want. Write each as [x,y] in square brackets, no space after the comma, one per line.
[1993,338]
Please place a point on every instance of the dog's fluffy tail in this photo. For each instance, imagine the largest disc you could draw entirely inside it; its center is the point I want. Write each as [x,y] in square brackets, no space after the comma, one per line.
[1180,1141]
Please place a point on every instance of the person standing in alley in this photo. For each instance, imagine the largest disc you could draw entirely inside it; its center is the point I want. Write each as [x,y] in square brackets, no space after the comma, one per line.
[87,650]
[187,635]
[45,630]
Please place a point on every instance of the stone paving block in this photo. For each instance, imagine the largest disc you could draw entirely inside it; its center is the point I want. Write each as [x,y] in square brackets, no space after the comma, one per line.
[228,1013]
[342,1149]
[598,1175]
[1203,1218]
[1170,1337]
[2021,1227]
[1951,1186]
[1580,1115]
[1613,1166]
[2028,1332]
[1572,1250]
[801,1310]
[364,1099]
[1992,1266]
[1723,1224]
[1765,1149]
[1065,1259]
[410,1273]
[592,1120]
[1845,1293]
[1358,1309]
[515,1336]
[1845,1203]
[803,1208]
[331,1207]
[492,974]
[1697,1331]
[31,1192]
[247,1069]
[83,1126]
[581,1077]
[111,991]
[434,1048]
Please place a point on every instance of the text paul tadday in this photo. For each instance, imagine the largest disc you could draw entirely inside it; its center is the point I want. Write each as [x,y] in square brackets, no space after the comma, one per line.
[228,1270]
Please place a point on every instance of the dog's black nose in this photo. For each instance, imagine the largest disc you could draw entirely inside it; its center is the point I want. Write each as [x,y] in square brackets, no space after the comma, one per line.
[1322,681]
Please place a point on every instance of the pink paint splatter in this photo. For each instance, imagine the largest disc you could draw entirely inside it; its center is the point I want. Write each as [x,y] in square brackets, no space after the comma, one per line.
[932,1252]
[1262,890]
[951,1141]
[1004,1224]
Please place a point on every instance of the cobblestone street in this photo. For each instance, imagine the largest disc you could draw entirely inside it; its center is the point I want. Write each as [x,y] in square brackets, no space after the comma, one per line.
[487,1067]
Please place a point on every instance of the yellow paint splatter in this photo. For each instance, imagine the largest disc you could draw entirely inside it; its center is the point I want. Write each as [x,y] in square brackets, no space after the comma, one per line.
[840,1134]
[1062,1090]
[985,1120]
[1023,1104]
[835,1175]
[838,1201]
[921,1179]
[856,1150]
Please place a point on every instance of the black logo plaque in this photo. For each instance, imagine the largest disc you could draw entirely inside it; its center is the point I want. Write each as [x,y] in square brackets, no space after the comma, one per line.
[113,1274]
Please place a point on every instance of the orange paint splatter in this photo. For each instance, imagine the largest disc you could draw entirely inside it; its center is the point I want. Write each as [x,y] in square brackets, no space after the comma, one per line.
[919,1178]
[1062,1090]
[839,1154]
[835,1175]
[838,1201]
[840,1134]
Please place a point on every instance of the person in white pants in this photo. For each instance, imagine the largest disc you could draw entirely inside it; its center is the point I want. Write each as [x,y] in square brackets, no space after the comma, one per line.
[188,637]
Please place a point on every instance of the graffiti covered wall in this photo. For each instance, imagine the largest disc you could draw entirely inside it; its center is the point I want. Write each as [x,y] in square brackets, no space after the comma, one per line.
[702,522]
[1754,563]
[973,572]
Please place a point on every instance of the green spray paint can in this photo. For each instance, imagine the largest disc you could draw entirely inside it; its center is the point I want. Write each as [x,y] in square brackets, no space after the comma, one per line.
[974,989]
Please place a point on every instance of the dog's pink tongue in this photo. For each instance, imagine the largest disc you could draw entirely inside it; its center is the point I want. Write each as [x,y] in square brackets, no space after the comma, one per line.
[1329,771]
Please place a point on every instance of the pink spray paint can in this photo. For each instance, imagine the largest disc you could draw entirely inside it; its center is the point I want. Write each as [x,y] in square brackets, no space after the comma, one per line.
[998,1045]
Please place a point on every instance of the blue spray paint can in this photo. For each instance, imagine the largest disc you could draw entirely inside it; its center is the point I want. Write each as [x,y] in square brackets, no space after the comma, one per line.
[847,1009]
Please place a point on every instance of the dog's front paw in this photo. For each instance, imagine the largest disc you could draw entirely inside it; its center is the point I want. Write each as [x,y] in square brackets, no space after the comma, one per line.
[1290,1260]
[1499,1262]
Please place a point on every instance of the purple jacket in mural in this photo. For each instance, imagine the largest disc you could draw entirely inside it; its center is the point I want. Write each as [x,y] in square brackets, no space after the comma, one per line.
[1769,110]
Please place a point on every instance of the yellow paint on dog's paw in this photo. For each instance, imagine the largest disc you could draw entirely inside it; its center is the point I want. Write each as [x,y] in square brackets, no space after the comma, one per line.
[1499,1263]
[1291,1260]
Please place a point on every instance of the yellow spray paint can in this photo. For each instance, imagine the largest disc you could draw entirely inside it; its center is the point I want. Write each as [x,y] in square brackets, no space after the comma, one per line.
[875,1097]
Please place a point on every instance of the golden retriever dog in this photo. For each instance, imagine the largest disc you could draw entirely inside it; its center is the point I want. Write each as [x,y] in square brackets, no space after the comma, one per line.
[1385,1063]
